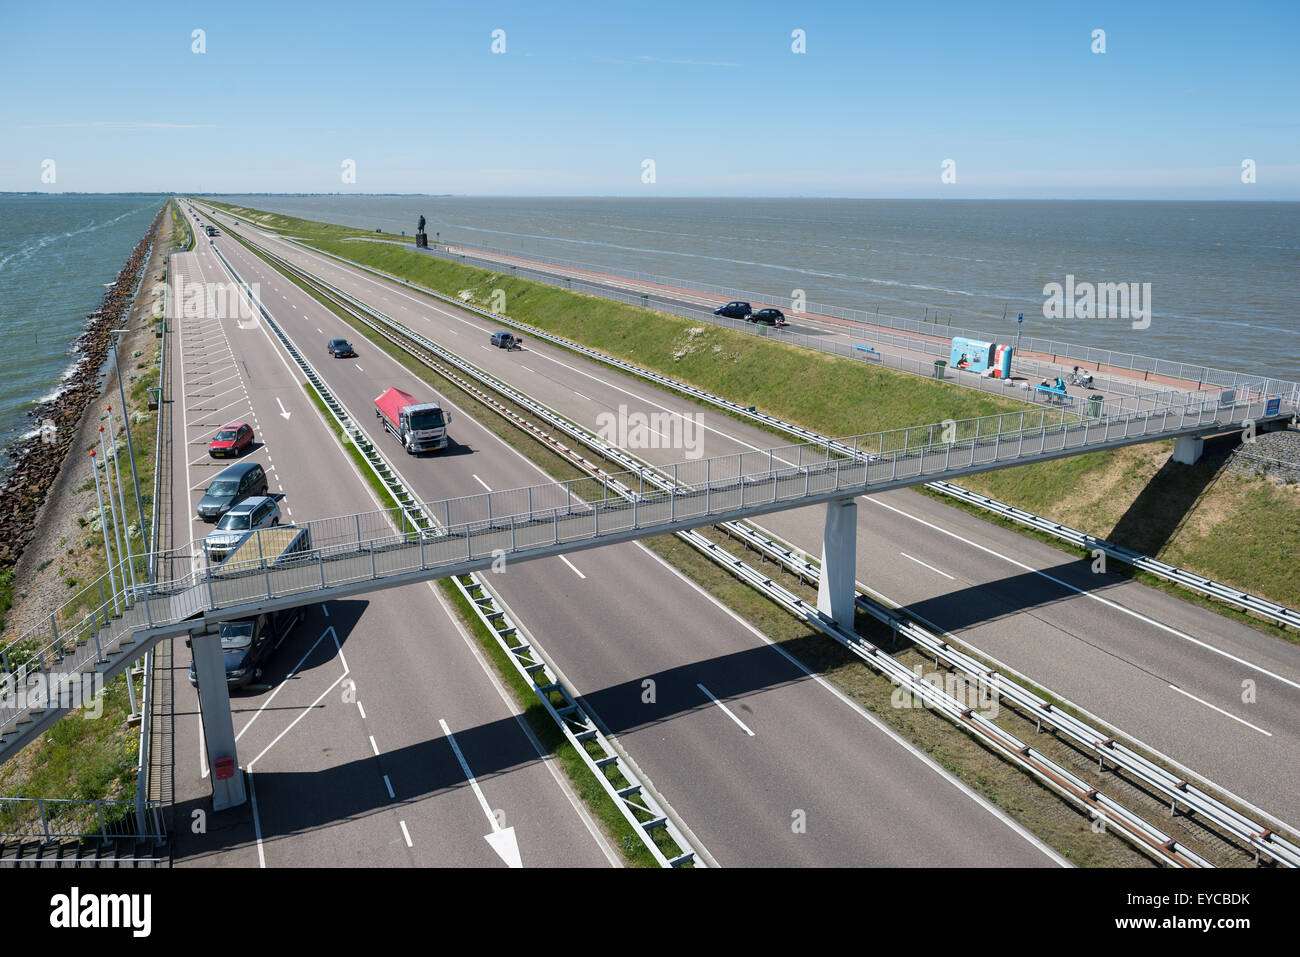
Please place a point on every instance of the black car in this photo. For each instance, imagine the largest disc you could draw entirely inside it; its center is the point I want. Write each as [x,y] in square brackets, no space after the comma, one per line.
[507,340]
[230,487]
[768,317]
[734,310]
[247,644]
[340,348]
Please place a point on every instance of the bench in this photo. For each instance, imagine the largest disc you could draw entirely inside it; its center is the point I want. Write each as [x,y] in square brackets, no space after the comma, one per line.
[1051,395]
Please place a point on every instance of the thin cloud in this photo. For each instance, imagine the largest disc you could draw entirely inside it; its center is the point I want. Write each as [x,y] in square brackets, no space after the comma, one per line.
[655,59]
[118,125]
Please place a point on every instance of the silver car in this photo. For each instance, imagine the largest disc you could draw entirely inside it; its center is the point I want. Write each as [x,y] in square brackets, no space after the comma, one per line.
[249,515]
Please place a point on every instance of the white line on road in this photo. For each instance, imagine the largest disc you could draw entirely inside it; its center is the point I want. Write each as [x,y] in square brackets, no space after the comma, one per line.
[359,367]
[483,483]
[406,834]
[1220,710]
[571,565]
[581,396]
[362,710]
[502,840]
[1097,598]
[374,747]
[725,709]
[931,567]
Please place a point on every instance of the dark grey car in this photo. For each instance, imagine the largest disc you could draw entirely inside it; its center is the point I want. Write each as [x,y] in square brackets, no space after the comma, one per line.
[230,487]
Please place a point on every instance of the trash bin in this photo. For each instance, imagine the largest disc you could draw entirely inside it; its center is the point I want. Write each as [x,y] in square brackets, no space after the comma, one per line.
[939,366]
[1094,404]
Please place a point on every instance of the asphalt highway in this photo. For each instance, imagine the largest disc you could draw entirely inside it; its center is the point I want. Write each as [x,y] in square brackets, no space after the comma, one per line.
[341,736]
[1215,695]
[618,618]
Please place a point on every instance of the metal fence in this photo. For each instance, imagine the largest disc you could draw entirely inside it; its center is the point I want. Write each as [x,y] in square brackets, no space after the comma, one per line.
[52,819]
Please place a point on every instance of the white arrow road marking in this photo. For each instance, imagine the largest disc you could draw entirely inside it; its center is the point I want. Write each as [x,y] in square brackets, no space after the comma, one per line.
[283,413]
[502,840]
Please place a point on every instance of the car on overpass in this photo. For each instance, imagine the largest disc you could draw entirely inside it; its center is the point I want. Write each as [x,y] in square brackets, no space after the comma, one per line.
[340,348]
[736,309]
[231,441]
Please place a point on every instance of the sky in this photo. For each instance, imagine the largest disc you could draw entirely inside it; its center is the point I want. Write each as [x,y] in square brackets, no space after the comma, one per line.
[900,99]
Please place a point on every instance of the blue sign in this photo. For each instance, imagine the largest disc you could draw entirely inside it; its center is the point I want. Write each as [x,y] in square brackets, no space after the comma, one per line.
[1273,406]
[1020,318]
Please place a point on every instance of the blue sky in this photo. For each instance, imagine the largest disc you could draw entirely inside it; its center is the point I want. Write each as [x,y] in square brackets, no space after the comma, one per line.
[584,94]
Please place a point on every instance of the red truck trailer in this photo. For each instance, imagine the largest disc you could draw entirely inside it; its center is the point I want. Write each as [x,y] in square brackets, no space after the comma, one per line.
[421,426]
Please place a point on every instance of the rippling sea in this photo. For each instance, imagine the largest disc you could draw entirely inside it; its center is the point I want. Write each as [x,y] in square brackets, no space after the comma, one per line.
[1223,275]
[58,255]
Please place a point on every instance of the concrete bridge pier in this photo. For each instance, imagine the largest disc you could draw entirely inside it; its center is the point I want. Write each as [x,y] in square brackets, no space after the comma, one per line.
[218,724]
[1188,449]
[837,590]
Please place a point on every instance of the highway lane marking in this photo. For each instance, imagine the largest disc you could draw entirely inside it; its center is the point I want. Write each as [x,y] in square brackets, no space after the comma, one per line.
[1221,711]
[406,834]
[359,367]
[865,715]
[526,369]
[931,567]
[292,672]
[483,483]
[581,396]
[502,839]
[318,329]
[1079,591]
[571,565]
[374,747]
[362,710]
[389,784]
[725,709]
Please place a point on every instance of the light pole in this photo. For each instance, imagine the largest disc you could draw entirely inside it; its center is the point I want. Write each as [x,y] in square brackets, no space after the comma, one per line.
[126,422]
[126,522]
[112,510]
[1019,322]
[103,527]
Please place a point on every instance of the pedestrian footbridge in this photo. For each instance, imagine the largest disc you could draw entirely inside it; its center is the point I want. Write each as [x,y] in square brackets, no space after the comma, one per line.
[102,631]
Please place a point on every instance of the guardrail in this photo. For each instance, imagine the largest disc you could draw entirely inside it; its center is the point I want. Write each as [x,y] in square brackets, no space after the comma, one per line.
[1199,583]
[1175,789]
[1131,826]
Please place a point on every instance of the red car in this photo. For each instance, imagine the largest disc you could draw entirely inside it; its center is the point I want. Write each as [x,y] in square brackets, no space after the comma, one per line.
[231,440]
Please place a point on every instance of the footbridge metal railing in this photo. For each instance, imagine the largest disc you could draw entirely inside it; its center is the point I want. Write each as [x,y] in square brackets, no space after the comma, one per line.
[98,631]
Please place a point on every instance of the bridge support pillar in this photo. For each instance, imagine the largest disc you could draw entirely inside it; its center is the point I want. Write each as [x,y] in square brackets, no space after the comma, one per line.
[218,725]
[837,590]
[1187,449]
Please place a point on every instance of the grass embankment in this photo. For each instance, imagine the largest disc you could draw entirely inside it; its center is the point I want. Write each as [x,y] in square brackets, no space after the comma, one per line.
[1236,529]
